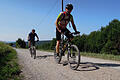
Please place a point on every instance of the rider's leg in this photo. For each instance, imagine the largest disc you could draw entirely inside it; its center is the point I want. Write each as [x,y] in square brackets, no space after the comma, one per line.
[58,38]
[57,46]
[29,44]
[33,43]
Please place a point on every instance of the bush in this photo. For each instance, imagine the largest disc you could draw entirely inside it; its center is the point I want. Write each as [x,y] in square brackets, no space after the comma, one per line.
[9,69]
[4,49]
[20,43]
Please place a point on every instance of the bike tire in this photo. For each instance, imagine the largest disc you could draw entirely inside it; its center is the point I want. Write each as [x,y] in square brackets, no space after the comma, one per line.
[57,58]
[74,50]
[30,49]
[34,53]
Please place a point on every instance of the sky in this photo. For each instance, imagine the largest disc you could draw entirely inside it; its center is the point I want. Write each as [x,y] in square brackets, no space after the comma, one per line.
[19,17]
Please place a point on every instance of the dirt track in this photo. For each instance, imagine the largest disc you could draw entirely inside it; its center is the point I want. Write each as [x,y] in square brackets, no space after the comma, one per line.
[45,68]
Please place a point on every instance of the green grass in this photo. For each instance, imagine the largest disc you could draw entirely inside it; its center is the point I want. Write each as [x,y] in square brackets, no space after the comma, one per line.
[46,50]
[102,56]
[4,49]
[9,68]
[95,55]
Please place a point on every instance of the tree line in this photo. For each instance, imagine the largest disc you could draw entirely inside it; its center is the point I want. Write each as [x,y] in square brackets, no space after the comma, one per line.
[105,40]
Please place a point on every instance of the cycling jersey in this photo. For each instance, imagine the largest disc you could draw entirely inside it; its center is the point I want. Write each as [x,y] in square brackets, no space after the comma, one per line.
[32,36]
[64,19]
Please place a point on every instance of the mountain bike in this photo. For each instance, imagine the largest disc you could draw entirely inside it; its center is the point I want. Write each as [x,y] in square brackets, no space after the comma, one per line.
[70,50]
[33,50]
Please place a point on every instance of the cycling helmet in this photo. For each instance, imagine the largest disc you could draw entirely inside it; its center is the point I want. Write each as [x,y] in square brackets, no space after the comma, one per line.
[69,6]
[33,30]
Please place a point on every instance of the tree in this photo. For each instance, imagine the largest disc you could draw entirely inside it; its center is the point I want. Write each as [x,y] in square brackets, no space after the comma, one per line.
[53,44]
[20,43]
[105,40]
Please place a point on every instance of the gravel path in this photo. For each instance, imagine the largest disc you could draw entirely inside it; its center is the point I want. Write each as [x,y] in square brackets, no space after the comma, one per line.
[45,68]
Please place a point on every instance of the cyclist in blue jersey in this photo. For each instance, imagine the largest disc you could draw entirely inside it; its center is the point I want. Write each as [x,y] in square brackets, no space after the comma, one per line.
[31,38]
[61,25]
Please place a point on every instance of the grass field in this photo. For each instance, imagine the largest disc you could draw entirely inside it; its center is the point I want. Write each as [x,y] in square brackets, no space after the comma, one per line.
[95,55]
[102,56]
[9,68]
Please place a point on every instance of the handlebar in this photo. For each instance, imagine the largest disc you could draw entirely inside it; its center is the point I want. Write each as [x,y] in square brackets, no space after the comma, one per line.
[75,33]
[36,40]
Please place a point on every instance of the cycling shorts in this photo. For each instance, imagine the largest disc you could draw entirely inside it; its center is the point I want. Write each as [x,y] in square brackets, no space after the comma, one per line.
[67,34]
[32,43]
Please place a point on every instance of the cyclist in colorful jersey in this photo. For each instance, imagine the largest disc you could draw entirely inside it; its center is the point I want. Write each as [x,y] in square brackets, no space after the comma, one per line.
[61,25]
[31,38]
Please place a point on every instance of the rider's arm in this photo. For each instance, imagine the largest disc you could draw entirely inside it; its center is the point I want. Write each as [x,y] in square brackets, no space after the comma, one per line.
[57,24]
[73,25]
[60,16]
[37,37]
[28,37]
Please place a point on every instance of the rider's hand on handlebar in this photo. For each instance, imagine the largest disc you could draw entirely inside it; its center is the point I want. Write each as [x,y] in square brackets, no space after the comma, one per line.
[77,32]
[37,40]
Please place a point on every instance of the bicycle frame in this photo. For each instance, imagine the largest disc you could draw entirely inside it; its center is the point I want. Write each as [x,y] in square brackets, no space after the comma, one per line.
[68,47]
[33,47]
[62,43]
[33,50]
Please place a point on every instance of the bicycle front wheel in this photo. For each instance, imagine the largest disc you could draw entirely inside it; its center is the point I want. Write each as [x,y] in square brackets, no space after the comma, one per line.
[34,52]
[30,49]
[74,57]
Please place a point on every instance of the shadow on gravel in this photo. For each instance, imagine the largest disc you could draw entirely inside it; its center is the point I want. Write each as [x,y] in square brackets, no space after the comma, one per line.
[87,66]
[84,66]
[44,56]
[107,64]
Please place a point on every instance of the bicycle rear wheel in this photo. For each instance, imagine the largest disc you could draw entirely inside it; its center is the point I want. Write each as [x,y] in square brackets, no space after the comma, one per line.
[57,58]
[74,57]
